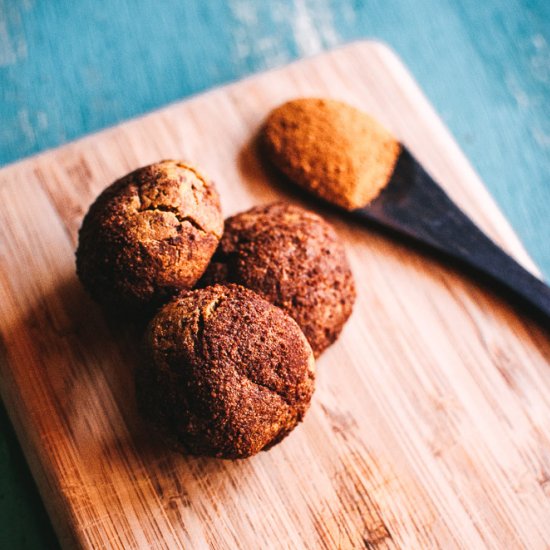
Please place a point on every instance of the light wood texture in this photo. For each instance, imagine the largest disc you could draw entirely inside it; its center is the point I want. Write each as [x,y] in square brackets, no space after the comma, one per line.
[430,424]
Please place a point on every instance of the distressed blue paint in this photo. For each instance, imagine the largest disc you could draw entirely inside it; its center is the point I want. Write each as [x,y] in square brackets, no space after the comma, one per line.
[69,68]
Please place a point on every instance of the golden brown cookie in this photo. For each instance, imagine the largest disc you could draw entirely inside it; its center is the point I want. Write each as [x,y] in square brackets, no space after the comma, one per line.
[227,373]
[295,260]
[148,236]
[331,149]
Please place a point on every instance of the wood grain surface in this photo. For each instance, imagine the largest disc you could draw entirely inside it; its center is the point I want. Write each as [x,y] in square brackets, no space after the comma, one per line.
[430,423]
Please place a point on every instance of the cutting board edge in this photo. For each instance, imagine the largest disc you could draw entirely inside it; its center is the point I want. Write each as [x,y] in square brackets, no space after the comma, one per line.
[50,493]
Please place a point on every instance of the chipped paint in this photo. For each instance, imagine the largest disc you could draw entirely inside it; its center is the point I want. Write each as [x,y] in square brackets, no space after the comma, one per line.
[250,45]
[25,125]
[8,55]
[13,47]
[540,61]
[312,26]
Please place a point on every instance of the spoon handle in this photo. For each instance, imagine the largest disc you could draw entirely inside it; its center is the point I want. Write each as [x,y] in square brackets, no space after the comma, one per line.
[415,205]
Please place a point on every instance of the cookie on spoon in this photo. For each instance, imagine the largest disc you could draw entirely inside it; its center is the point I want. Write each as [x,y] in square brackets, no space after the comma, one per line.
[331,149]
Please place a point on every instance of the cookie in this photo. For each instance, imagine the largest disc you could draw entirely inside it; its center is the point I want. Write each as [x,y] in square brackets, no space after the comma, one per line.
[227,374]
[294,259]
[148,236]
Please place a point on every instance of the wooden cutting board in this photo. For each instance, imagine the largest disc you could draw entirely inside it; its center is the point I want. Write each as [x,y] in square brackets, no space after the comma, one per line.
[430,424]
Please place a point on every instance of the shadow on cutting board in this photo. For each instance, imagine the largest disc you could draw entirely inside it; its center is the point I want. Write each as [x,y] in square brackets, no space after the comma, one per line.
[84,362]
[96,449]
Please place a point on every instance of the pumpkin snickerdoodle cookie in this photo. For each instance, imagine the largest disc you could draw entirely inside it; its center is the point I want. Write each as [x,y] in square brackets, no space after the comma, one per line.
[227,374]
[148,236]
[294,259]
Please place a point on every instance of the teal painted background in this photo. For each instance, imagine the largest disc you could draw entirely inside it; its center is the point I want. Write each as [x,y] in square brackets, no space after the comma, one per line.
[68,68]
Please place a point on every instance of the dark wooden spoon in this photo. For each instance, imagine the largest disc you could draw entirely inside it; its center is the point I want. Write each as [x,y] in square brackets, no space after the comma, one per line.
[413,204]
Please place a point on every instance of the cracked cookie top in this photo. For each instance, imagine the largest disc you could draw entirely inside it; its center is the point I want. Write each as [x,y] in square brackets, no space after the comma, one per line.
[227,373]
[148,236]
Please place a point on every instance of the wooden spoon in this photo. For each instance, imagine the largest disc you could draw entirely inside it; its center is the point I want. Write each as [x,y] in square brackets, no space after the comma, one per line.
[346,158]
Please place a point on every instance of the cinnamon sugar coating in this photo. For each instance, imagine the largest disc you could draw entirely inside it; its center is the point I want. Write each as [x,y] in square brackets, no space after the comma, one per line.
[332,149]
[148,236]
[227,374]
[294,259]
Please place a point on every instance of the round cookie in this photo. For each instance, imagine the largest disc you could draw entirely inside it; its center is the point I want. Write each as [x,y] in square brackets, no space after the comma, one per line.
[295,260]
[227,374]
[148,236]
